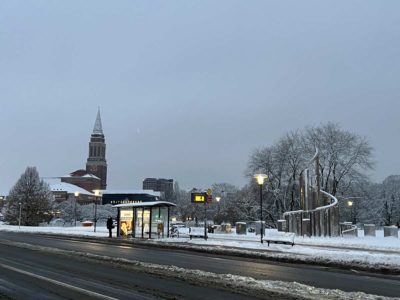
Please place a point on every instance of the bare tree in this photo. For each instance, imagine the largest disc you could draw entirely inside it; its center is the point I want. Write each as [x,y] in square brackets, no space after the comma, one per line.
[344,156]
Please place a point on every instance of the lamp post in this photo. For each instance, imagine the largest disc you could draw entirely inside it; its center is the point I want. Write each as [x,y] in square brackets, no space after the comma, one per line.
[218,198]
[260,178]
[350,204]
[76,194]
[20,211]
[96,193]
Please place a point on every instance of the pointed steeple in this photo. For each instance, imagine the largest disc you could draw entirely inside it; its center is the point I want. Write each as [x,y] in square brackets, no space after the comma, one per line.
[98,128]
[96,163]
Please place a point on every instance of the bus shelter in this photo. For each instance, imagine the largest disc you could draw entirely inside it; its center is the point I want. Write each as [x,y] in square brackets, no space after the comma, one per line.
[144,219]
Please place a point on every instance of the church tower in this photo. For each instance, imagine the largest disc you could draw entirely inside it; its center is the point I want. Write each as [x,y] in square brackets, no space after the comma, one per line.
[96,163]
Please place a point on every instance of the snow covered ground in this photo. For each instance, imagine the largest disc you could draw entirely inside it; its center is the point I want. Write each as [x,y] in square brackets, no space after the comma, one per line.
[365,253]
[101,231]
[375,253]
[362,251]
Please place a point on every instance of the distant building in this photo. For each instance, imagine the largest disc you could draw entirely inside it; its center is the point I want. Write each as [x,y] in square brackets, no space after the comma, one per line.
[83,179]
[94,177]
[164,186]
[63,191]
[85,182]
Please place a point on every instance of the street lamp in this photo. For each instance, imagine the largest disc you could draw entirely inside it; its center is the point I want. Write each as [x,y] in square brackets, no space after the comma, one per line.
[76,194]
[260,178]
[96,193]
[350,204]
[218,198]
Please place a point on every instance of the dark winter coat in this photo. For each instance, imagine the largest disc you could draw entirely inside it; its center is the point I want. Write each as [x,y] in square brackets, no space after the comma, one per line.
[109,223]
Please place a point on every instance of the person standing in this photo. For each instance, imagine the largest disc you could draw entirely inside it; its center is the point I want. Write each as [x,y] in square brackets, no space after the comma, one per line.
[110,226]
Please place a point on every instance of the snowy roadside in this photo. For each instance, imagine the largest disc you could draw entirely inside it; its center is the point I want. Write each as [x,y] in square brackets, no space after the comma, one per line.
[264,289]
[366,254]
[361,260]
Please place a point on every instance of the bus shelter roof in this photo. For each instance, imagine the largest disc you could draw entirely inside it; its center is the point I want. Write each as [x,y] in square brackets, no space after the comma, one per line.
[146,204]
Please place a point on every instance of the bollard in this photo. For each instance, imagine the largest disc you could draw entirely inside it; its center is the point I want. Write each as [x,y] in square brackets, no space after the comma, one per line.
[241,228]
[369,230]
[390,231]
[306,227]
[281,225]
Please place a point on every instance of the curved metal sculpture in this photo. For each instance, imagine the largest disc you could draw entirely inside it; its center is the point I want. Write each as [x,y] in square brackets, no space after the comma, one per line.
[319,215]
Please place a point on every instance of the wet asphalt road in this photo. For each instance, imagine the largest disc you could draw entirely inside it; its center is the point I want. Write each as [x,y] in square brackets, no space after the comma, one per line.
[316,276]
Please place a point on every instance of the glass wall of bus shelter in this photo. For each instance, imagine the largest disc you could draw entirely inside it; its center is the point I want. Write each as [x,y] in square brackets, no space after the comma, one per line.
[142,223]
[159,222]
[140,218]
[125,221]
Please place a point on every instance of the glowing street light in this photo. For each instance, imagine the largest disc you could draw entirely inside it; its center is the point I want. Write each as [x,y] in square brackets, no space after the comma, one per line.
[260,178]
[218,198]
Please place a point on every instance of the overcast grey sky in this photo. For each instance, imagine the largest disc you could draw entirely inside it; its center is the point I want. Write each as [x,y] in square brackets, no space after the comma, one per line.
[188,89]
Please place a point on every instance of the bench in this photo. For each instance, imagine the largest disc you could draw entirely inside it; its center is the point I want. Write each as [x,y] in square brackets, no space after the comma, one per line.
[179,231]
[196,232]
[280,238]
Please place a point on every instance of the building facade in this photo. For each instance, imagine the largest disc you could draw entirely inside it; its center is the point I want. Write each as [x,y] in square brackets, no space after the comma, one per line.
[83,179]
[115,197]
[164,186]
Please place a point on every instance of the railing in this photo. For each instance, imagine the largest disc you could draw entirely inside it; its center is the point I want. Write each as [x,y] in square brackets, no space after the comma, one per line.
[320,213]
[348,229]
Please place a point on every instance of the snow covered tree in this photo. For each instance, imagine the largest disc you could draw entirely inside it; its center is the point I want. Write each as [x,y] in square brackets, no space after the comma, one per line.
[390,200]
[32,196]
[387,213]
[69,210]
[344,159]
[184,208]
[103,212]
[223,211]
[344,156]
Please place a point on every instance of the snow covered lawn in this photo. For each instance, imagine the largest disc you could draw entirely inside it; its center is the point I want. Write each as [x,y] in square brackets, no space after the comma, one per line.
[363,253]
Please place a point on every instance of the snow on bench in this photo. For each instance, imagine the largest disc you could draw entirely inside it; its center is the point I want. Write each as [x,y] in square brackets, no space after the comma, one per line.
[280,238]
[179,231]
[183,231]
[196,232]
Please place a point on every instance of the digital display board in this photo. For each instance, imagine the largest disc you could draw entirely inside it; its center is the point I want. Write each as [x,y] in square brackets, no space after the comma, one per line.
[199,197]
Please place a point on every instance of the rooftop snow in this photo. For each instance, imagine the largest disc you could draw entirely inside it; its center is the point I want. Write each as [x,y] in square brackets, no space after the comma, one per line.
[69,188]
[146,204]
[139,192]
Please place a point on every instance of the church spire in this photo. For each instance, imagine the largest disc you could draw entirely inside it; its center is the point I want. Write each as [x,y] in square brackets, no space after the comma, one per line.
[96,163]
[98,128]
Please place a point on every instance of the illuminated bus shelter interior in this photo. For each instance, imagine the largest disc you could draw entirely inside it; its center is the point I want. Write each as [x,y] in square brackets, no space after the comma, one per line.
[144,220]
